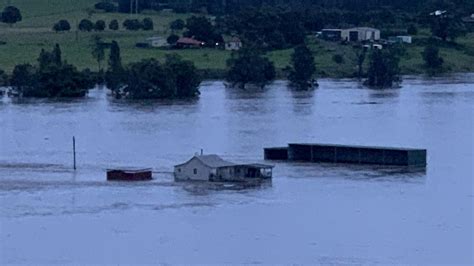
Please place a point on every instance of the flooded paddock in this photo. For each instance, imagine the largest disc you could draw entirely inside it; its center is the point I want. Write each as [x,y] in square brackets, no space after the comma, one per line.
[309,213]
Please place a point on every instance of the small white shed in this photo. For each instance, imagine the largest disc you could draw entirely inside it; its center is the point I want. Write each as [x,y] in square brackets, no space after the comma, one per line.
[233,44]
[157,41]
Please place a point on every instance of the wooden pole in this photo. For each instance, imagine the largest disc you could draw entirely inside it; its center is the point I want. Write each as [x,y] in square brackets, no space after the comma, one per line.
[74,151]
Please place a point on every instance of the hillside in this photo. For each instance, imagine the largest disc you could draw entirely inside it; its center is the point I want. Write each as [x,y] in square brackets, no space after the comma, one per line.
[25,40]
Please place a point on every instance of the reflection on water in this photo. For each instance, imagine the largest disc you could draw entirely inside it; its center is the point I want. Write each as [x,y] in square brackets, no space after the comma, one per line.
[315,213]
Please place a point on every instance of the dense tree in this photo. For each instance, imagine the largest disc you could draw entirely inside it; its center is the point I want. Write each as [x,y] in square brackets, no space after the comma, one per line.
[185,76]
[3,78]
[303,67]
[147,24]
[62,25]
[57,57]
[172,39]
[115,72]
[445,27]
[247,66]
[132,24]
[338,59]
[99,25]
[412,29]
[149,79]
[114,25]
[23,78]
[86,25]
[52,78]
[98,51]
[383,69]
[433,61]
[202,29]
[11,15]
[361,54]
[177,24]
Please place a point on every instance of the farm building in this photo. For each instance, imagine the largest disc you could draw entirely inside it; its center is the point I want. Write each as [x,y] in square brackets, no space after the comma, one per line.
[469,22]
[330,153]
[400,39]
[156,41]
[214,168]
[332,34]
[359,34]
[129,174]
[233,44]
[185,42]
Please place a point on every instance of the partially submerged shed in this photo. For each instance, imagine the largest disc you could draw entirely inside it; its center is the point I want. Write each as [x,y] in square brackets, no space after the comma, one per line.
[129,174]
[330,153]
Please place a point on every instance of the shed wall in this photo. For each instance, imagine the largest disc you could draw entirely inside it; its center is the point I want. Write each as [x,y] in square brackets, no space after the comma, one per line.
[186,171]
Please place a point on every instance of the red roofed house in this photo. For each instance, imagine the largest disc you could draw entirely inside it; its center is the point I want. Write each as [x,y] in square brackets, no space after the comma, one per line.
[185,42]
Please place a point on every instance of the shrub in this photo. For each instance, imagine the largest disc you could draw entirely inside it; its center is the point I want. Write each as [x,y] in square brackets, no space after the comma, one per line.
[433,62]
[172,39]
[177,24]
[114,25]
[86,25]
[99,25]
[62,25]
[10,15]
[147,24]
[132,24]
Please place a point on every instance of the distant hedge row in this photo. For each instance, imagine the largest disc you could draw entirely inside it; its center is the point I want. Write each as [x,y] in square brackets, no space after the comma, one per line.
[100,25]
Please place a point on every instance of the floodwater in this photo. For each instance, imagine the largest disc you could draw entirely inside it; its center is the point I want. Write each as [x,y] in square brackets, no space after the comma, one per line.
[309,213]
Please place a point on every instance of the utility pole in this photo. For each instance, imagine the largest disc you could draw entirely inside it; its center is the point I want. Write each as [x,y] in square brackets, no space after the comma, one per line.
[74,151]
[131,7]
[136,7]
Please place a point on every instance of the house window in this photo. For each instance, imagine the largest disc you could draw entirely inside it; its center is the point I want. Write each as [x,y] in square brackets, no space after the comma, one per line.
[179,170]
[195,171]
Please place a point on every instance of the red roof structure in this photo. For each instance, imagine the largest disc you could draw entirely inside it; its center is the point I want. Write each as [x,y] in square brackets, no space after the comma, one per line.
[189,41]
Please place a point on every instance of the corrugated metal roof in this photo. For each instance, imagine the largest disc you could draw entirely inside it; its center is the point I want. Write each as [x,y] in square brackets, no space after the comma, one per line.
[131,170]
[214,161]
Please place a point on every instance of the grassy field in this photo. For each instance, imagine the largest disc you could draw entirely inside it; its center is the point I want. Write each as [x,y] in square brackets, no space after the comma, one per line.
[25,40]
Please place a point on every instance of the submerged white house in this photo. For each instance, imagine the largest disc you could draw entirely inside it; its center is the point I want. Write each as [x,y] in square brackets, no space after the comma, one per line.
[214,168]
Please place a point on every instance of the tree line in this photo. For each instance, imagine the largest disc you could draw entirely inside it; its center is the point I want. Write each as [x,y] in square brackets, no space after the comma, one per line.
[52,77]
[219,7]
[87,25]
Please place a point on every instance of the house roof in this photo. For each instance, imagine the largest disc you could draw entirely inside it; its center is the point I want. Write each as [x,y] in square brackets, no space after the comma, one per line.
[214,161]
[232,39]
[190,41]
[211,160]
[130,170]
[364,28]
[469,19]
